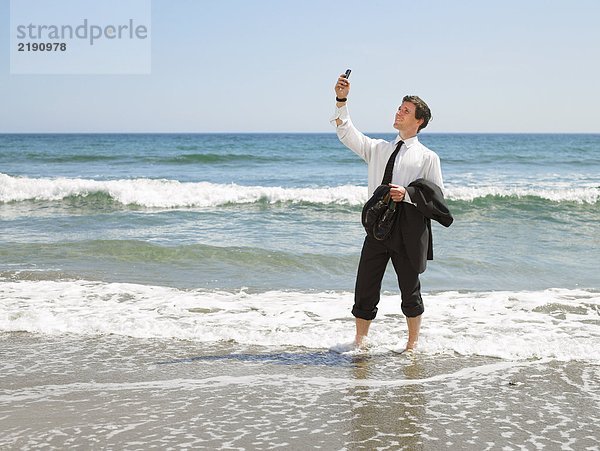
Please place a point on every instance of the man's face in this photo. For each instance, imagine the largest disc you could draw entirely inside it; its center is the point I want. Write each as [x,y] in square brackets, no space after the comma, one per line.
[405,118]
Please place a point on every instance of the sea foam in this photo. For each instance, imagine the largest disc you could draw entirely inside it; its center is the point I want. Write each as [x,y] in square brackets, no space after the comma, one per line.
[557,323]
[161,193]
[171,193]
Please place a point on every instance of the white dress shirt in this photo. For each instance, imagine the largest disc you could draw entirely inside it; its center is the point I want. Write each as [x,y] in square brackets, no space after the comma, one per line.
[414,161]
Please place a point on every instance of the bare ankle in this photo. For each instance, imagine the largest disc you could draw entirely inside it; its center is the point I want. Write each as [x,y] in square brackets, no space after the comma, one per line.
[411,345]
[359,341]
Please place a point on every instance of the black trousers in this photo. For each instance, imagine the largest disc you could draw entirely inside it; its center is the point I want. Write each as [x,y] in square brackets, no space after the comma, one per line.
[374,258]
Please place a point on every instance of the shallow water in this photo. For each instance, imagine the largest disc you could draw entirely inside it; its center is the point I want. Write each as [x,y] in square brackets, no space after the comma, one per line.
[136,394]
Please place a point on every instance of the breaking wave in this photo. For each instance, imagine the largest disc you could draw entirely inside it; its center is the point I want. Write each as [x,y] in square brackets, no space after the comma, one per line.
[161,193]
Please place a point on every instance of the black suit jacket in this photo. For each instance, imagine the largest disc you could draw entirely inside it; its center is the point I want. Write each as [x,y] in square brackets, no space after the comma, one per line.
[414,221]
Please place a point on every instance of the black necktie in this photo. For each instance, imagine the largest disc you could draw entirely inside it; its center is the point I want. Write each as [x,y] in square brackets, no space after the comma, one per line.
[389,168]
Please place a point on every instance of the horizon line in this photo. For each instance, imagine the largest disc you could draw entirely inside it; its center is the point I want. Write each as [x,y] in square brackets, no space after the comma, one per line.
[286,132]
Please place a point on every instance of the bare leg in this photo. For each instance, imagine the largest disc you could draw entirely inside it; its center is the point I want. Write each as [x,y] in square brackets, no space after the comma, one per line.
[362,330]
[414,326]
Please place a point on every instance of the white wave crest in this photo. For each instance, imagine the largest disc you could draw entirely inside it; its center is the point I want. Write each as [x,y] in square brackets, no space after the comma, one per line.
[515,325]
[162,193]
[172,193]
[587,195]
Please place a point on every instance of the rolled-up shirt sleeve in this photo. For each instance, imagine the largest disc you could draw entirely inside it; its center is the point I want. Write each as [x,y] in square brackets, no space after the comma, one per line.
[340,113]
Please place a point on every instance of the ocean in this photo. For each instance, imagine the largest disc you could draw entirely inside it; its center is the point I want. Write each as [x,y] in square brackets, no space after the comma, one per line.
[185,291]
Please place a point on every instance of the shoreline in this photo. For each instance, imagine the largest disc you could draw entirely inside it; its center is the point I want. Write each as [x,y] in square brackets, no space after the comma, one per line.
[109,391]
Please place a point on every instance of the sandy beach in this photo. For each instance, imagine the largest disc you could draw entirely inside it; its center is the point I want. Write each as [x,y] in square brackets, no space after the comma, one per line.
[117,393]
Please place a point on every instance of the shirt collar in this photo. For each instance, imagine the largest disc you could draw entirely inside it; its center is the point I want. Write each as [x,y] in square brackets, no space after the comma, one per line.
[408,142]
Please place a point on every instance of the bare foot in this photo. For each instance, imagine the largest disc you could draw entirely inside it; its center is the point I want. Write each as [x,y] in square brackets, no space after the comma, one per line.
[410,349]
[361,342]
[411,346]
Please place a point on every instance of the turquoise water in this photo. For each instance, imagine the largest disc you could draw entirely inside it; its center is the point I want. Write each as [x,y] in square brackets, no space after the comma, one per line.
[282,211]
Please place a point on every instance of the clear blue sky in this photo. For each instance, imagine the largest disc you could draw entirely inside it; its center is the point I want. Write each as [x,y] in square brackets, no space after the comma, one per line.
[270,65]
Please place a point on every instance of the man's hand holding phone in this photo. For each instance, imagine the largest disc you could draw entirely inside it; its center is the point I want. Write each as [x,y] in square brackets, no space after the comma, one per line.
[342,87]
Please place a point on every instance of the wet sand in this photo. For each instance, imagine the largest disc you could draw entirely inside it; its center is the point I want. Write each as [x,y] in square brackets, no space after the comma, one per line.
[118,393]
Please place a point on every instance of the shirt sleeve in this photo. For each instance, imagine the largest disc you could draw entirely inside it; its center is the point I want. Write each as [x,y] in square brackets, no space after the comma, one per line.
[340,113]
[434,171]
[349,135]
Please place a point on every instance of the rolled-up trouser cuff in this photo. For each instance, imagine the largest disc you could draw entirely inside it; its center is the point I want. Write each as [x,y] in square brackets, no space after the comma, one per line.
[369,316]
[411,312]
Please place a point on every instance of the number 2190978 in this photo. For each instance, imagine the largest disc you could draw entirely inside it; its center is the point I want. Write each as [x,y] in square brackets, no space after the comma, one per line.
[41,46]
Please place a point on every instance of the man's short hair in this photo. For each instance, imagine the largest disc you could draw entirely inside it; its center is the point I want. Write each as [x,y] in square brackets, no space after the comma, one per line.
[422,111]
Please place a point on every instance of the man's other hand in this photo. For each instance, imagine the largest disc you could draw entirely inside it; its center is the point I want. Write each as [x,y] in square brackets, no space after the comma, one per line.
[397,193]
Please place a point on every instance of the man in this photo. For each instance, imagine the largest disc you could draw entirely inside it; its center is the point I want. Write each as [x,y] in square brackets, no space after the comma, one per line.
[413,161]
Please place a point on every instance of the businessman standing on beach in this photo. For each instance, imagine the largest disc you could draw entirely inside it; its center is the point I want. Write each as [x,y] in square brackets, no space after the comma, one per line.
[412,161]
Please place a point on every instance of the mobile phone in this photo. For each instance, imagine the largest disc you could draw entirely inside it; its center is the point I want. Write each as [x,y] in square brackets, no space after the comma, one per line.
[347,74]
